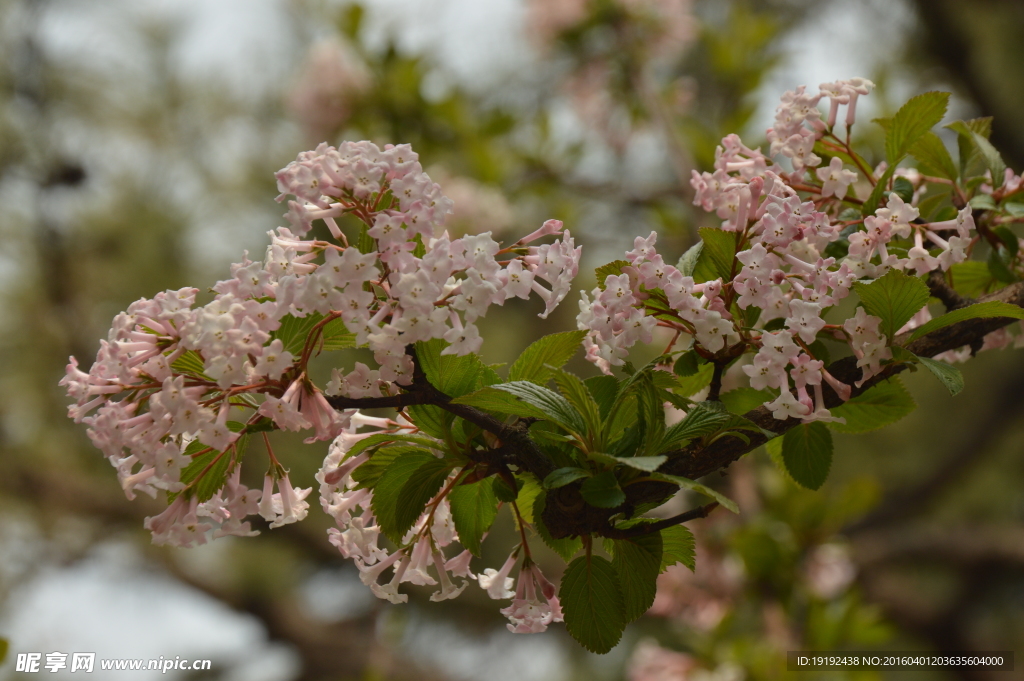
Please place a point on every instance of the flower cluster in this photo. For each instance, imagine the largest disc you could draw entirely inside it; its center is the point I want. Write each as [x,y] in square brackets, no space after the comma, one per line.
[171,374]
[357,531]
[179,387]
[783,281]
[420,558]
[534,604]
[798,123]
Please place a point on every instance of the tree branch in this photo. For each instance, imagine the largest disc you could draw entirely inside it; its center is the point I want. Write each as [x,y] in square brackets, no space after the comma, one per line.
[943,291]
[392,401]
[695,461]
[648,528]
[567,514]
[515,437]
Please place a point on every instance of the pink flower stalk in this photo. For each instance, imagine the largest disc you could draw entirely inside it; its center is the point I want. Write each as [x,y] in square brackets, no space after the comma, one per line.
[497,583]
[528,614]
[287,506]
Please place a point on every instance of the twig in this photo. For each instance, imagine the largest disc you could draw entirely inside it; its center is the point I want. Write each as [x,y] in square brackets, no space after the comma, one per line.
[943,291]
[649,528]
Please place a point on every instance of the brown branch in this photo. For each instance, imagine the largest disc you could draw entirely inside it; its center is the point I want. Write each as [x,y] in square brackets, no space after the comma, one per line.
[392,401]
[938,287]
[567,514]
[515,437]
[695,461]
[648,528]
[716,382]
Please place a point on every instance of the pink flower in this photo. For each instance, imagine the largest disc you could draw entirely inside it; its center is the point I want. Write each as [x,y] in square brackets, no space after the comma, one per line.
[835,180]
[287,506]
[497,583]
[528,614]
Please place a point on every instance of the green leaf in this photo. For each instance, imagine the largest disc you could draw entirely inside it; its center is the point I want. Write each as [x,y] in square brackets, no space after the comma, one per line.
[369,472]
[947,373]
[474,508]
[651,410]
[191,363]
[603,491]
[335,336]
[933,156]
[637,561]
[982,126]
[983,202]
[1015,209]
[563,476]
[895,297]
[539,361]
[576,392]
[404,489]
[263,425]
[4,646]
[677,547]
[686,483]
[741,400]
[591,600]
[648,464]
[931,205]
[488,376]
[432,420]
[912,121]
[688,262]
[365,243]
[902,188]
[774,449]
[611,269]
[294,331]
[490,398]
[691,385]
[807,453]
[502,490]
[214,478]
[998,264]
[971,278]
[566,547]
[977,311]
[966,131]
[384,438]
[993,161]
[420,250]
[1009,240]
[527,499]
[885,403]
[702,419]
[827,153]
[820,352]
[454,376]
[688,364]
[603,389]
[717,256]
[553,439]
[878,193]
[538,401]
[622,418]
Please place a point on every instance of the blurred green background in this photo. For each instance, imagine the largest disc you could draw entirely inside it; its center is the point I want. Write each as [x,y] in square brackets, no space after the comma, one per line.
[138,142]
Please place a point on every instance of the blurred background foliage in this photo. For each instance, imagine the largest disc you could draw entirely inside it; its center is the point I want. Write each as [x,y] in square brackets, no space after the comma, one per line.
[128,165]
